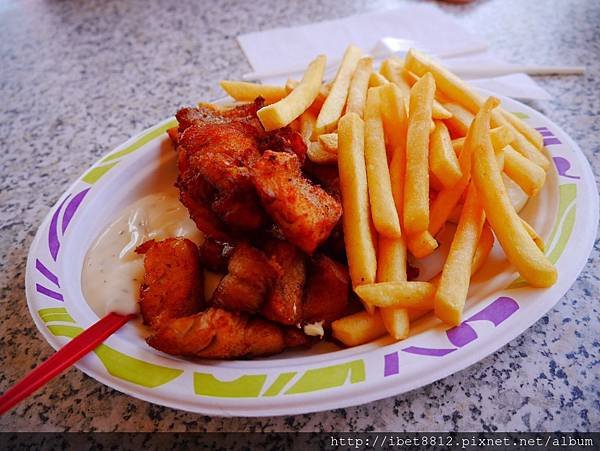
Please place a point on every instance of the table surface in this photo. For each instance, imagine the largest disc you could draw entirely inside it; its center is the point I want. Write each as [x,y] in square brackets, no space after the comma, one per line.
[79,78]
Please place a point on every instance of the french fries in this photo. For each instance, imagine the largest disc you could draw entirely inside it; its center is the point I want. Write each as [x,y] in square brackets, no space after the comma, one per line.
[391,259]
[395,124]
[357,93]
[318,154]
[383,209]
[527,131]
[283,112]
[376,79]
[415,147]
[518,246]
[358,227]
[460,93]
[332,108]
[528,175]
[411,295]
[421,244]
[460,121]
[442,157]
[452,289]
[329,141]
[416,188]
[246,92]
[359,328]
[395,73]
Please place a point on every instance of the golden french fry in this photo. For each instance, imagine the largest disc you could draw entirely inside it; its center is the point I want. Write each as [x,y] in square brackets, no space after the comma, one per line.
[357,93]
[359,235]
[247,92]
[396,321]
[395,73]
[501,137]
[461,119]
[442,157]
[416,187]
[528,175]
[397,294]
[307,125]
[521,144]
[434,182]
[283,112]
[391,259]
[395,124]
[329,141]
[518,246]
[376,79]
[421,244]
[383,209]
[460,93]
[359,328]
[332,108]
[453,286]
[534,236]
[318,154]
[532,135]
[484,247]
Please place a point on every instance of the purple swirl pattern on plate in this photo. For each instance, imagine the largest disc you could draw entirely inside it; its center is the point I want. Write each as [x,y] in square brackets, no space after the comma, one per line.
[46,272]
[72,208]
[496,313]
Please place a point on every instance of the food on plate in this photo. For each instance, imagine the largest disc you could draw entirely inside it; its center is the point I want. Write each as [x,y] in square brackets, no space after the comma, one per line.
[317,201]
[383,209]
[283,112]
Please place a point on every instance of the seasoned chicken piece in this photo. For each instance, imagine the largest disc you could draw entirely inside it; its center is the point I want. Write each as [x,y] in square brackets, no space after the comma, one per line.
[215,254]
[305,213]
[327,290]
[219,334]
[207,113]
[249,280]
[173,280]
[283,140]
[295,338]
[213,169]
[284,302]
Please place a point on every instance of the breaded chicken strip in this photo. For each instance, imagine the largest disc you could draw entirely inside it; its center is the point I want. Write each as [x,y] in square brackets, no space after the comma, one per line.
[284,302]
[173,283]
[249,280]
[219,334]
[304,212]
[327,290]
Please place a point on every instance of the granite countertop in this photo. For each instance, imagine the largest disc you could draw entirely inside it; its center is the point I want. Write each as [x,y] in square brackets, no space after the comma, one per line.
[79,78]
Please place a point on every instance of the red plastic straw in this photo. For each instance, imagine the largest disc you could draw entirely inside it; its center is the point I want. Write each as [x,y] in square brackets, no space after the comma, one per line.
[70,353]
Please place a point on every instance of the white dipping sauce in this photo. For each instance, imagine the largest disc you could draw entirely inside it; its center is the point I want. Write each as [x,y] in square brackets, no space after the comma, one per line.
[112,271]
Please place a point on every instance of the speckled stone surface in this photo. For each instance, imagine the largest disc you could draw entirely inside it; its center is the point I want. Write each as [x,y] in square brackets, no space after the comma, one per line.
[77,78]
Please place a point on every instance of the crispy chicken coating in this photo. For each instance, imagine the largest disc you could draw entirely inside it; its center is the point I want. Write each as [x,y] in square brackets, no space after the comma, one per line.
[284,302]
[173,284]
[219,334]
[304,212]
[249,280]
[327,290]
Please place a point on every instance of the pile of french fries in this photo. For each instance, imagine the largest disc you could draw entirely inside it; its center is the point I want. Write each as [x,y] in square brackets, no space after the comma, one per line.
[416,148]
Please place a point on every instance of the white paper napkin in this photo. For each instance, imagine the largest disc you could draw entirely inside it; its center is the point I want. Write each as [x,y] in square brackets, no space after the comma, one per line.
[435,31]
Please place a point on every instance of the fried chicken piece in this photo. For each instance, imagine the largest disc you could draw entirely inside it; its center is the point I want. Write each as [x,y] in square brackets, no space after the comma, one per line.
[249,280]
[284,140]
[284,302]
[213,170]
[173,284]
[207,113]
[327,290]
[296,338]
[219,334]
[215,254]
[305,213]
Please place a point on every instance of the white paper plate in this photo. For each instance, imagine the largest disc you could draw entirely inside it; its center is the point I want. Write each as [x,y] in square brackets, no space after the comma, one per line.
[499,308]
